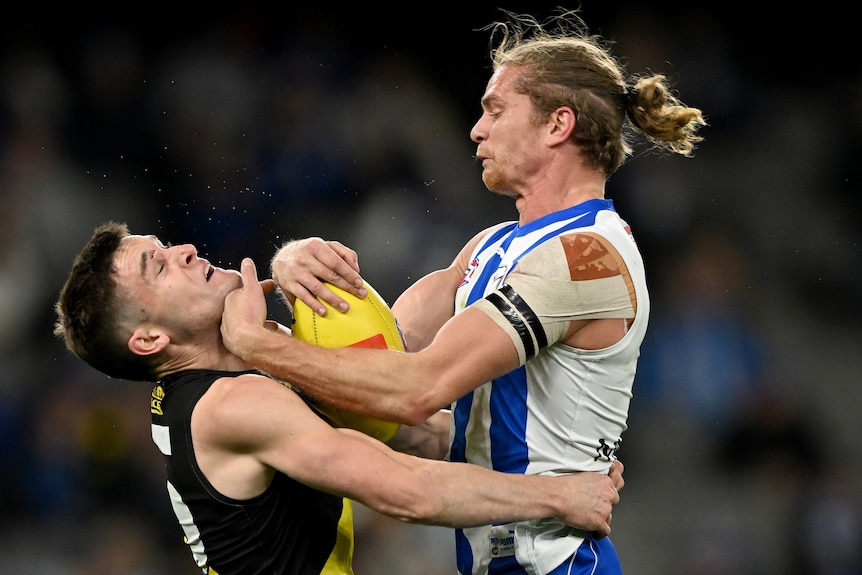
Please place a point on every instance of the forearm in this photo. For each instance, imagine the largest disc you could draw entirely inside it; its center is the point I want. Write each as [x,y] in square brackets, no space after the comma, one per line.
[466,495]
[417,490]
[387,384]
[372,382]
[471,498]
[463,495]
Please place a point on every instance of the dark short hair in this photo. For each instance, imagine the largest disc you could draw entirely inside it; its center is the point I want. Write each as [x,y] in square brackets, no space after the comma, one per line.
[89,310]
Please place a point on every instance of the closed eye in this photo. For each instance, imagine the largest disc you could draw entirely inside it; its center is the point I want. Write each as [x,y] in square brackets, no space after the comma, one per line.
[152,256]
[163,246]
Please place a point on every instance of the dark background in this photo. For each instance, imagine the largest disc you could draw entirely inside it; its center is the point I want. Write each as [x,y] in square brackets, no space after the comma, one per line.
[238,129]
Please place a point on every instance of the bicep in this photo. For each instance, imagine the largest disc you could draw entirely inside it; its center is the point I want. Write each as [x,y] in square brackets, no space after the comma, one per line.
[255,418]
[273,424]
[468,351]
[347,463]
[430,302]
[424,307]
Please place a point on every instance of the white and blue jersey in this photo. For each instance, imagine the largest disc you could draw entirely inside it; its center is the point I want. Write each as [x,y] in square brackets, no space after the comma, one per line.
[564,409]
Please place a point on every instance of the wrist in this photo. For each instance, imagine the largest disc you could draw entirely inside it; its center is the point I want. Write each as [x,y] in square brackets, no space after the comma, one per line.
[245,340]
[555,498]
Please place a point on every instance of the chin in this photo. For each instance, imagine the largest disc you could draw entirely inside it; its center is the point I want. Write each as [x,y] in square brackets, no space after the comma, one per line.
[226,284]
[498,189]
[491,181]
[231,277]
[495,183]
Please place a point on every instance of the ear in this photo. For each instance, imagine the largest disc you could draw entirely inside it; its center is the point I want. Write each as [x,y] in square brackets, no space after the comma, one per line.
[561,125]
[148,340]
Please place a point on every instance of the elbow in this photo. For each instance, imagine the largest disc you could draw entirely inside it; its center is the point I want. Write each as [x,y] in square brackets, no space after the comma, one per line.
[415,417]
[421,513]
[424,392]
[422,503]
[419,409]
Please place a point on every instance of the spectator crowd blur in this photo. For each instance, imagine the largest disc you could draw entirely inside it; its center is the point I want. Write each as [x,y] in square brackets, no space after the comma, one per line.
[240,131]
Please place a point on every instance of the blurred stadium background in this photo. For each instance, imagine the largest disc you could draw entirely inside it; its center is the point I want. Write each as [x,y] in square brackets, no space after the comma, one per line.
[237,130]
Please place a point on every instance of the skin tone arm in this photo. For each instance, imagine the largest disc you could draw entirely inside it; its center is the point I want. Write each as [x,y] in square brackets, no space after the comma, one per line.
[451,355]
[299,264]
[244,428]
[405,387]
[429,303]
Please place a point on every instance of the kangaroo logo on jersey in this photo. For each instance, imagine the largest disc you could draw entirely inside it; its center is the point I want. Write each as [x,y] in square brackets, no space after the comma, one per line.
[607,452]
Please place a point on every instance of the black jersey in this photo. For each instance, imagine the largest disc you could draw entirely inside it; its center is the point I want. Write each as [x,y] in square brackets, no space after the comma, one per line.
[290,529]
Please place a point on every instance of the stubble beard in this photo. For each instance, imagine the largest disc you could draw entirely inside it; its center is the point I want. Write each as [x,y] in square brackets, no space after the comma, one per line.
[496,184]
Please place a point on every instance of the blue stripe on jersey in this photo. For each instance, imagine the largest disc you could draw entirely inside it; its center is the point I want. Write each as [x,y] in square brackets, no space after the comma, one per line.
[594,557]
[508,565]
[508,406]
[463,553]
[589,207]
[460,415]
[478,290]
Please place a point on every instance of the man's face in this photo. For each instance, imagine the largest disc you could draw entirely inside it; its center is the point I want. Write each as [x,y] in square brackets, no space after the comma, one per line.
[172,285]
[508,138]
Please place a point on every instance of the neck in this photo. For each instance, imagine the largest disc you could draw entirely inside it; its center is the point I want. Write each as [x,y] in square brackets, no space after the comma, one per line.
[560,185]
[218,358]
[534,206]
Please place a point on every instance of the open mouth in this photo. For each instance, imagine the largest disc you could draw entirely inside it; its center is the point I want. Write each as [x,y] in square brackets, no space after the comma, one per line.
[208,271]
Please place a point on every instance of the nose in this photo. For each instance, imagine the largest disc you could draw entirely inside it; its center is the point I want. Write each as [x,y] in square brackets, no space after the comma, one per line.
[185,253]
[478,132]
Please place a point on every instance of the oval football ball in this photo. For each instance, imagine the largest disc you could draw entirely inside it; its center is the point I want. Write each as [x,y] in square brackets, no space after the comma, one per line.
[368,323]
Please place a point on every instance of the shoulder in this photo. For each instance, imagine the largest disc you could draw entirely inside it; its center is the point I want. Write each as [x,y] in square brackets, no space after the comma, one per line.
[242,407]
[585,254]
[480,240]
[241,386]
[488,235]
[493,232]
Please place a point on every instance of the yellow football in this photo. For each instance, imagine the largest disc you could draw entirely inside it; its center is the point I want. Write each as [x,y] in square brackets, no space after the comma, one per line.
[368,323]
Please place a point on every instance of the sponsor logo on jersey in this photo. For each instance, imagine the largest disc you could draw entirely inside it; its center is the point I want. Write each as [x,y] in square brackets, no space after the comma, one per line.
[468,273]
[503,542]
[156,400]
